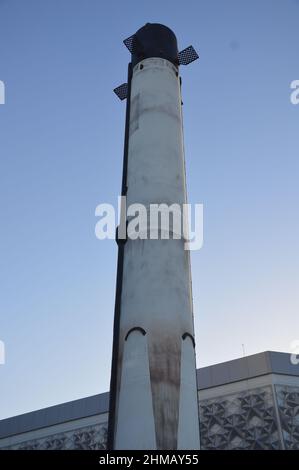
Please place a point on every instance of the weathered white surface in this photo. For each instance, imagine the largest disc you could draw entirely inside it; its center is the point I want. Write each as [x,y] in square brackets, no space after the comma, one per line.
[156,160]
[156,292]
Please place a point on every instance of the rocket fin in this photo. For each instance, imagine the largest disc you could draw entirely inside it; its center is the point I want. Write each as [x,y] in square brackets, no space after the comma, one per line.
[188,430]
[135,428]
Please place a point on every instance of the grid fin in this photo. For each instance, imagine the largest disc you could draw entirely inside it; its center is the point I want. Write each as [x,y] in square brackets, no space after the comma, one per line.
[188,55]
[121,91]
[129,43]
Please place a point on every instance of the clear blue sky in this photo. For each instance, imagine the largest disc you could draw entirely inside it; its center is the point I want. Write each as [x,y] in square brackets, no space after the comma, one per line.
[61,144]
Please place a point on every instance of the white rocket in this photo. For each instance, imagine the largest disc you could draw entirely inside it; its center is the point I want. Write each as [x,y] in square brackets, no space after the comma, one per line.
[153,394]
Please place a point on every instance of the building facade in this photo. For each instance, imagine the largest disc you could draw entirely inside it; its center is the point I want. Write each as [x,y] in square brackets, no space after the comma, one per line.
[247,403]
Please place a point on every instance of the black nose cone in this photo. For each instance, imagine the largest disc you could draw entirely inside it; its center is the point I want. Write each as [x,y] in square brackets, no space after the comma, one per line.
[154,40]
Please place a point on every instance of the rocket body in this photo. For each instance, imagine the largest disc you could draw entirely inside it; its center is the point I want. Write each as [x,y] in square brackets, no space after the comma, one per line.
[154,400]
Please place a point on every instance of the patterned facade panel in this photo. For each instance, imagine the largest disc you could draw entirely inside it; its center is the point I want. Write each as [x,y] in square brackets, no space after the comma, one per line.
[86,438]
[288,406]
[243,420]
